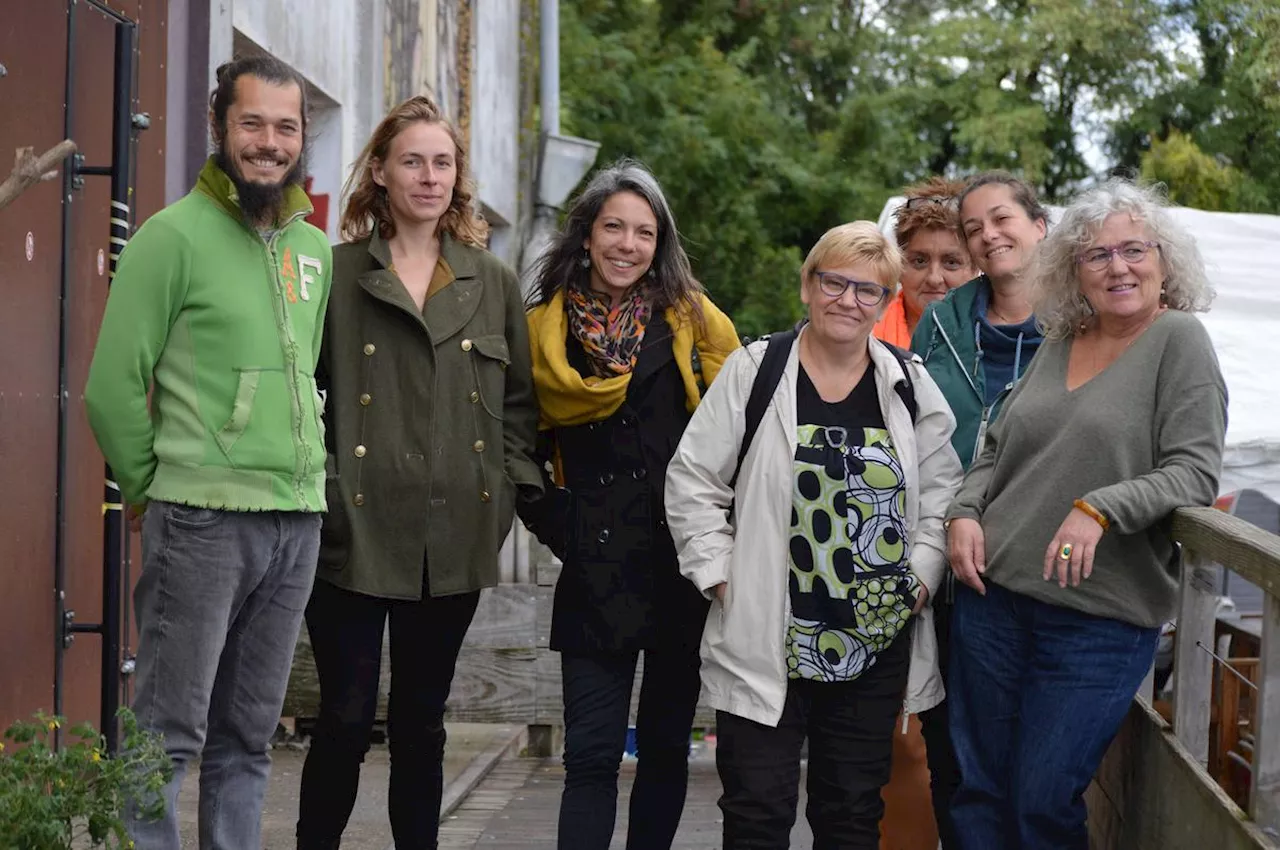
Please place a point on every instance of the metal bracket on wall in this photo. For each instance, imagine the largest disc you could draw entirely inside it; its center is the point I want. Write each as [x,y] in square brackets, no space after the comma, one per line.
[79,171]
[70,628]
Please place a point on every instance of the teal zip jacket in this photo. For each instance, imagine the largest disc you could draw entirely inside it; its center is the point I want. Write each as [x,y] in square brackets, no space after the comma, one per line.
[223,325]
[944,339]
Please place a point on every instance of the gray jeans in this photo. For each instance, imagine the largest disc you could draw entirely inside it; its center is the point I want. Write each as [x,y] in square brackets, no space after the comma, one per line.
[219,604]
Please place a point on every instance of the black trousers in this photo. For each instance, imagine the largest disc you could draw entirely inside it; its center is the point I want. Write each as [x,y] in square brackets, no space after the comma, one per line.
[346,636]
[850,730]
[597,700]
[944,773]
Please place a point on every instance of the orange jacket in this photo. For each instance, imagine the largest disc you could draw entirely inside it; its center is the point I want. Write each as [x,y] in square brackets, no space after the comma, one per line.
[892,327]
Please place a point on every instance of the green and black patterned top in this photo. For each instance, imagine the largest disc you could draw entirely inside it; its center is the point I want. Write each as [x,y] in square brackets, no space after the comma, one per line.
[851,587]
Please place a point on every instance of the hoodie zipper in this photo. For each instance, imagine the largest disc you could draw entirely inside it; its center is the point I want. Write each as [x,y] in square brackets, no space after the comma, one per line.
[290,351]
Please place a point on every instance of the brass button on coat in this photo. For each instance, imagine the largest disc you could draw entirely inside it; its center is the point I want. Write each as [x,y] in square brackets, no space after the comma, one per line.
[466,345]
[484,495]
[357,499]
[475,397]
[360,451]
[369,349]
[478,445]
[365,398]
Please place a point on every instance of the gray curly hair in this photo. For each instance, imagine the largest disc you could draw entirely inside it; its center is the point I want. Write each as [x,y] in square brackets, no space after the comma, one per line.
[1060,308]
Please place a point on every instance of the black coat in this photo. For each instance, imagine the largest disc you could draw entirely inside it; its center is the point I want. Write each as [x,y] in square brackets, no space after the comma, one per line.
[620,589]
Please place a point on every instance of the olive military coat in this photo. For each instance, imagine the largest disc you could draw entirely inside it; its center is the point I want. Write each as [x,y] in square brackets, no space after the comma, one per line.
[430,423]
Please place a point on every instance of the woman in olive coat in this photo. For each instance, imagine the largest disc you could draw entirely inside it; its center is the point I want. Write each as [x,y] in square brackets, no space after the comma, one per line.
[430,419]
[624,341]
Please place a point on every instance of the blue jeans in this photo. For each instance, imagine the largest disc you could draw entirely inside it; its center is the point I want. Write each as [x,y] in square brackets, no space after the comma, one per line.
[219,604]
[1037,692]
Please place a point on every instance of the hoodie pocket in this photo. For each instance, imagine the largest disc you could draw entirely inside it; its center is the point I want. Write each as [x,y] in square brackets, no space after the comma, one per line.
[241,410]
[261,433]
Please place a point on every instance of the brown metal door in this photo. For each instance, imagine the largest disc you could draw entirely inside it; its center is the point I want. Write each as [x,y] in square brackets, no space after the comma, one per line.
[55,258]
[33,51]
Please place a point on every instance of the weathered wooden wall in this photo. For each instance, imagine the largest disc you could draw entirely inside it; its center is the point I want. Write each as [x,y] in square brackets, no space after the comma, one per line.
[1151,794]
[507,672]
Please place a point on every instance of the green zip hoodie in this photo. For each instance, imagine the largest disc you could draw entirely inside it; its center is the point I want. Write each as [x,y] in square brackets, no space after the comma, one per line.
[222,324]
[944,340]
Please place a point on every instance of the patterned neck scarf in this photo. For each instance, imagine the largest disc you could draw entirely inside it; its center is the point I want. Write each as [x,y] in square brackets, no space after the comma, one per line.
[610,336]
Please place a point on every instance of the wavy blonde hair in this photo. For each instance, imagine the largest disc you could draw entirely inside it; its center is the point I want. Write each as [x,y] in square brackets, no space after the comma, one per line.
[367,204]
[1059,306]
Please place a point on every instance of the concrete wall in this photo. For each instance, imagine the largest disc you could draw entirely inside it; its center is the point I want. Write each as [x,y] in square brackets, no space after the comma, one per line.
[337,46]
[1150,794]
[495,128]
[331,43]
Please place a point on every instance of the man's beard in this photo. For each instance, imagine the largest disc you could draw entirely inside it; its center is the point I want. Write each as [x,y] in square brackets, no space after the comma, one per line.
[261,202]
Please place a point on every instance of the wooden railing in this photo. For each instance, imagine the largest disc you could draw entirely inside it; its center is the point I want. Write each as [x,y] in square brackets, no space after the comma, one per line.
[1154,789]
[1212,540]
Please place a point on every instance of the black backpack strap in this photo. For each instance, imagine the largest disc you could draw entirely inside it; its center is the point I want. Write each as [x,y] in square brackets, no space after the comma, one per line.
[772,365]
[906,391]
[695,362]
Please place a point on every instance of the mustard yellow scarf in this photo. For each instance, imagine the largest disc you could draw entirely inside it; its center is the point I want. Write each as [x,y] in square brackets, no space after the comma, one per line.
[565,398]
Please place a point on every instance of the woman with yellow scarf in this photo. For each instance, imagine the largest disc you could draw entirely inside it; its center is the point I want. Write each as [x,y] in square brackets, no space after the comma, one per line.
[624,343]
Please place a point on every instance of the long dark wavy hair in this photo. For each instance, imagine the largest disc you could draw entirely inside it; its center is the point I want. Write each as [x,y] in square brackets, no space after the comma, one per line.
[367,204]
[670,277]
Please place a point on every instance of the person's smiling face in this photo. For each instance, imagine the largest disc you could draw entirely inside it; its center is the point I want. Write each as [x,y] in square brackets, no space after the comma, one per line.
[1001,236]
[623,240]
[1129,283]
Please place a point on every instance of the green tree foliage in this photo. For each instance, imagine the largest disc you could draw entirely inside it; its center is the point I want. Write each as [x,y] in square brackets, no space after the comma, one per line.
[769,121]
[725,157]
[1223,93]
[1194,178]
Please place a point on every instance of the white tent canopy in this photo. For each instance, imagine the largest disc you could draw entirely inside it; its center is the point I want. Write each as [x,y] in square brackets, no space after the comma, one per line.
[1244,324]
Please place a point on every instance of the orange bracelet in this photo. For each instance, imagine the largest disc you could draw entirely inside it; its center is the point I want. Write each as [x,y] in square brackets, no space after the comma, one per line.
[1094,514]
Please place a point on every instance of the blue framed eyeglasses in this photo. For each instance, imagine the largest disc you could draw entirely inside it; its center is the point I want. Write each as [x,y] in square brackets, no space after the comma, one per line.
[867,293]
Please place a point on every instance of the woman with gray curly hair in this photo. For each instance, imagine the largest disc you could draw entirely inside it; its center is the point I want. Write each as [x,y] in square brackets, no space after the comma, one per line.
[1059,533]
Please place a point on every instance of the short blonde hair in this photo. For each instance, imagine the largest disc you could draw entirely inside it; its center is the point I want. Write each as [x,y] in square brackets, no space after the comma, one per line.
[1059,307]
[856,242]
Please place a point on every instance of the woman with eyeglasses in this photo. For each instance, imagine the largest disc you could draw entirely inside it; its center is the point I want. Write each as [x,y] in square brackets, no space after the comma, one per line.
[935,261]
[820,548]
[1059,533]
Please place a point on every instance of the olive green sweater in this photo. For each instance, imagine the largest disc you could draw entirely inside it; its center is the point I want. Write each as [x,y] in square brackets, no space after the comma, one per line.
[1143,437]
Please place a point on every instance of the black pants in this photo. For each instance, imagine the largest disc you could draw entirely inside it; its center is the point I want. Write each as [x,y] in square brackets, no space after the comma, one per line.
[597,700]
[944,773]
[850,730]
[346,636]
